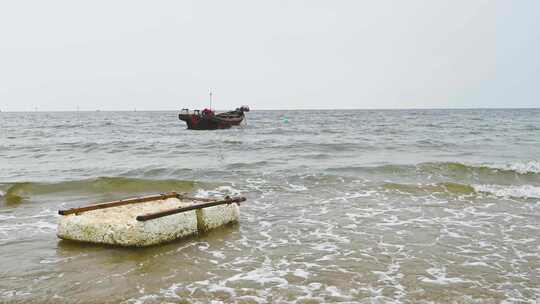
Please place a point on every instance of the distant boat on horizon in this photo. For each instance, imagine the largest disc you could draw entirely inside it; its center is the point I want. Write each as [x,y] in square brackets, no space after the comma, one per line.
[207,119]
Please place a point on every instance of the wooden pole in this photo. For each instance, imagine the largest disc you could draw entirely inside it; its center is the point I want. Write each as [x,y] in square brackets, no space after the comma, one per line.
[151,216]
[121,203]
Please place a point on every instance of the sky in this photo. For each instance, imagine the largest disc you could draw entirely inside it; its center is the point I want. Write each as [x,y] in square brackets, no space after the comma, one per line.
[165,55]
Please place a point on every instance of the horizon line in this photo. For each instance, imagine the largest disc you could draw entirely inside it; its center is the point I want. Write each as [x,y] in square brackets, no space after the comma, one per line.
[294,109]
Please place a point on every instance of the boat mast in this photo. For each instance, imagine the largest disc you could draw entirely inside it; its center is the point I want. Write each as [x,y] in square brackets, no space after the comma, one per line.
[210,93]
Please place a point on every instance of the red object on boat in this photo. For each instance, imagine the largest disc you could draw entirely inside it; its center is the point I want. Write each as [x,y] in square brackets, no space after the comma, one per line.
[207,112]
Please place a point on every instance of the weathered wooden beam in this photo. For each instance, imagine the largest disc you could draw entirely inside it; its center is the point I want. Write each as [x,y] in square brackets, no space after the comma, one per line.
[151,216]
[121,203]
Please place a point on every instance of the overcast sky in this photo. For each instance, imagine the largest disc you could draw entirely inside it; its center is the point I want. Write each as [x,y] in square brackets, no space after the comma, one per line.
[164,55]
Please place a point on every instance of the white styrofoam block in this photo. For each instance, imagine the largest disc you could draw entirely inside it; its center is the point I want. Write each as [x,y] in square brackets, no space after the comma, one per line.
[212,217]
[118,225]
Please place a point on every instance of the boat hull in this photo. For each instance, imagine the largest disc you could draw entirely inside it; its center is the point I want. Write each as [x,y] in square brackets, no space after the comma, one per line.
[200,122]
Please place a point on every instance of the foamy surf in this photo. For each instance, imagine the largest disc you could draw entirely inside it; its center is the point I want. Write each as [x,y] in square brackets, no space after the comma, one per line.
[526,167]
[524,191]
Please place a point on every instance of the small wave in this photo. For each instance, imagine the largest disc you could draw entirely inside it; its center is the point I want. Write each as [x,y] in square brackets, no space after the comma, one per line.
[232,142]
[17,192]
[453,188]
[151,172]
[522,168]
[524,191]
[455,170]
[252,165]
[290,131]
[384,169]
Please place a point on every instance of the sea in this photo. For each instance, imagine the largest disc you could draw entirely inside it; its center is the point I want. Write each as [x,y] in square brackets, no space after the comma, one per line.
[343,206]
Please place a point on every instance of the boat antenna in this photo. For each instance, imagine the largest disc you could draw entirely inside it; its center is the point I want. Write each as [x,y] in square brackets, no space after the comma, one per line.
[210,93]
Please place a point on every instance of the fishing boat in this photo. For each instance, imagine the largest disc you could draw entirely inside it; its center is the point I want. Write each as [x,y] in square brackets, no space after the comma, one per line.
[146,221]
[207,119]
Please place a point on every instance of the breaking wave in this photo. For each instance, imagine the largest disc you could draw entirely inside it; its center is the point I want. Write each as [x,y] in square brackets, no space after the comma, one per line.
[453,169]
[521,167]
[523,191]
[450,188]
[17,192]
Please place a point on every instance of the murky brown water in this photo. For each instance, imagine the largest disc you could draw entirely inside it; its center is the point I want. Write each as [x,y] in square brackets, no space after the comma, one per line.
[404,212]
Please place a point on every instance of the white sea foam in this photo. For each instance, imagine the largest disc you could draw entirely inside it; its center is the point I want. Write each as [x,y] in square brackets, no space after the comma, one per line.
[481,264]
[60,260]
[229,290]
[6,217]
[326,246]
[13,293]
[334,291]
[532,166]
[143,299]
[440,277]
[203,246]
[218,254]
[528,167]
[262,276]
[297,187]
[220,191]
[28,228]
[301,273]
[250,299]
[524,191]
[265,274]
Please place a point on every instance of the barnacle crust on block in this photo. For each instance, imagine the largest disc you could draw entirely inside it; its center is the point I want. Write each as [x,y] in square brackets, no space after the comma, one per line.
[118,225]
[212,217]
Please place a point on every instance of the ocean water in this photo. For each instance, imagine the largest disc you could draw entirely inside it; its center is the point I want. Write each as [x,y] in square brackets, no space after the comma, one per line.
[402,206]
